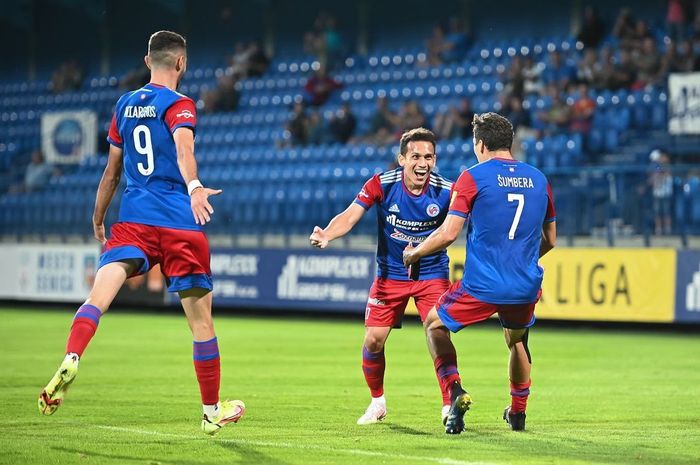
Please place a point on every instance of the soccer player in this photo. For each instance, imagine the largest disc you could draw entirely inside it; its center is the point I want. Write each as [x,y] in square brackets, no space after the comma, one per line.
[411,202]
[511,225]
[162,213]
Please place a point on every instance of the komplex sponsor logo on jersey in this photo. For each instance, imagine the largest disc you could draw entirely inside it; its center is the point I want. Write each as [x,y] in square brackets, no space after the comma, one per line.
[411,225]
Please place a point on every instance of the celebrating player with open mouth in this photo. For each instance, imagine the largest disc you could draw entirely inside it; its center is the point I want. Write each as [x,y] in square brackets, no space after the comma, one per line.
[411,202]
[162,213]
[511,225]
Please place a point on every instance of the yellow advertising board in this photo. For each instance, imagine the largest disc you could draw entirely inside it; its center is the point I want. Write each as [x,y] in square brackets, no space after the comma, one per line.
[601,284]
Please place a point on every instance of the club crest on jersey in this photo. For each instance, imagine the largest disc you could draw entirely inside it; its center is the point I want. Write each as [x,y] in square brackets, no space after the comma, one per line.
[433,210]
[394,209]
[185,114]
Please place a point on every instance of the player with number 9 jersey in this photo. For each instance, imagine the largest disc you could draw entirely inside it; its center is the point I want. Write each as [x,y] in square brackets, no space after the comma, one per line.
[162,210]
[142,126]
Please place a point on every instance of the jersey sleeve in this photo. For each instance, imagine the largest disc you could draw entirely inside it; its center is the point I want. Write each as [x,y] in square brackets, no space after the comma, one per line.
[551,214]
[462,197]
[181,114]
[113,136]
[371,193]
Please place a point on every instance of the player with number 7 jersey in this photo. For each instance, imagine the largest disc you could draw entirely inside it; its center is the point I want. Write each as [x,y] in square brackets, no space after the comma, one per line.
[509,210]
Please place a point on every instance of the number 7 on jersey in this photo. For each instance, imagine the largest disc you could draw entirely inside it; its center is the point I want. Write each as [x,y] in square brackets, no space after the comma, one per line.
[520,198]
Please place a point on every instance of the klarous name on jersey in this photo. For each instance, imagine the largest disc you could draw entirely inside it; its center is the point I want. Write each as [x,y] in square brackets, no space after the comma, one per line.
[135,111]
[511,181]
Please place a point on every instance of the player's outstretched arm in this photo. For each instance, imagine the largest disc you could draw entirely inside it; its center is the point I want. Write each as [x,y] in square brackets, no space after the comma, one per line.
[339,226]
[105,191]
[440,239]
[199,195]
[549,237]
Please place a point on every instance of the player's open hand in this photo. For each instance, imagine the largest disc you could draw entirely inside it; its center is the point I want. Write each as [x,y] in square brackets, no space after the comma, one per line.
[201,208]
[99,231]
[409,255]
[318,238]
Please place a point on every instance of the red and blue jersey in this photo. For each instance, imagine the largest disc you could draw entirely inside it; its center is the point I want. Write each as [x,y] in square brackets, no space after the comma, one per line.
[404,218]
[143,124]
[506,202]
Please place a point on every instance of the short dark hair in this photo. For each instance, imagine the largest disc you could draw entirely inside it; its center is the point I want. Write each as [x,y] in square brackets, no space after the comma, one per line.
[417,134]
[163,45]
[494,130]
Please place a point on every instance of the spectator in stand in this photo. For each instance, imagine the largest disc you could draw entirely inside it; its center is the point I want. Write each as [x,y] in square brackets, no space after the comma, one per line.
[224,97]
[514,80]
[319,87]
[38,172]
[532,75]
[332,51]
[679,16]
[411,116]
[136,78]
[661,183]
[248,61]
[592,28]
[258,61]
[582,111]
[68,76]
[239,61]
[324,41]
[434,46]
[605,75]
[641,34]
[557,116]
[517,115]
[382,125]
[624,72]
[624,28]
[455,45]
[588,67]
[648,63]
[557,72]
[342,124]
[297,125]
[456,122]
[317,132]
[685,61]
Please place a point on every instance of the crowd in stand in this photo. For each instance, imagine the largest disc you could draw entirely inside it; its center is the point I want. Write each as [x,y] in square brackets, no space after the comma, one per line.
[623,56]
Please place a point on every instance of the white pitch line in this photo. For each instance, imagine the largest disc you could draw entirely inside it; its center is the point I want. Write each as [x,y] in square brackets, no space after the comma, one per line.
[287,445]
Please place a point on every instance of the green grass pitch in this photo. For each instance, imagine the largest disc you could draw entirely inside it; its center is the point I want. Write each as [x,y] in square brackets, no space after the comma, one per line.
[597,396]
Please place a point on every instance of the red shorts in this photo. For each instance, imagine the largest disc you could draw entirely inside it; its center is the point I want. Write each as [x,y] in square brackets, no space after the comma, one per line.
[388,299]
[457,309]
[183,255]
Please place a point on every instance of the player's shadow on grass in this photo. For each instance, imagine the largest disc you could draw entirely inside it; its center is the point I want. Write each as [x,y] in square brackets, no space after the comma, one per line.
[248,455]
[88,454]
[405,429]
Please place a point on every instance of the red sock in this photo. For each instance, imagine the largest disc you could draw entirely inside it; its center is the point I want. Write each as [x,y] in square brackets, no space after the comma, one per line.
[519,393]
[207,366]
[83,328]
[447,374]
[373,364]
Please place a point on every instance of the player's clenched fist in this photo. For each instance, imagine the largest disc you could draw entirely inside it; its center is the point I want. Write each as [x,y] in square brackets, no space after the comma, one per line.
[318,238]
[201,208]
